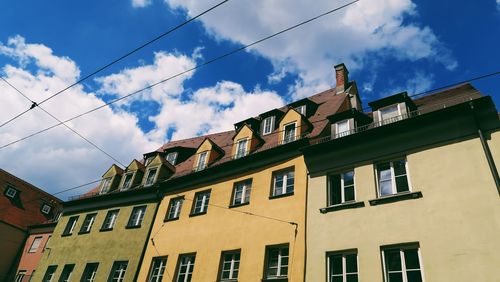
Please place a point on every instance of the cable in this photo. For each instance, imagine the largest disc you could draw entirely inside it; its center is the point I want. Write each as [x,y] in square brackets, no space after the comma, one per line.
[34,104]
[120,58]
[184,72]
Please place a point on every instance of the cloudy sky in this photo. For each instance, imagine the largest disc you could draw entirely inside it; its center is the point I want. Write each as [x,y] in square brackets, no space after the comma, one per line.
[387,45]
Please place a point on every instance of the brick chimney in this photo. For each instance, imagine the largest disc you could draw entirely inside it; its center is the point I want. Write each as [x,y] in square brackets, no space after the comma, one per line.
[341,77]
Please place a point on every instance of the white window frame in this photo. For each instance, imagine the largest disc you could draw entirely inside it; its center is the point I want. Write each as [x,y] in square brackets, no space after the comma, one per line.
[268,122]
[189,261]
[205,200]
[46,208]
[20,275]
[239,151]
[175,207]
[37,241]
[339,134]
[89,274]
[73,220]
[11,192]
[246,190]
[342,187]
[137,216]
[157,276]
[280,262]
[285,141]
[301,109]
[403,263]
[105,185]
[71,268]
[110,219]
[118,269]
[393,178]
[232,269]
[131,174]
[88,221]
[284,174]
[344,264]
[49,276]
[389,120]
[148,172]
[201,163]
[171,159]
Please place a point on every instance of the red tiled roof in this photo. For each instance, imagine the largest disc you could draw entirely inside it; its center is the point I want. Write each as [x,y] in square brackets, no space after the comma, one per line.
[25,209]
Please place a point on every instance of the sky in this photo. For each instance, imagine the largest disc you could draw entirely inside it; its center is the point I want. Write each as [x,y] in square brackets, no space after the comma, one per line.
[388,46]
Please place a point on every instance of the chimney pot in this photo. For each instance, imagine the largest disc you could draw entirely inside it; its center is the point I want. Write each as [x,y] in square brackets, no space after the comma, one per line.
[341,78]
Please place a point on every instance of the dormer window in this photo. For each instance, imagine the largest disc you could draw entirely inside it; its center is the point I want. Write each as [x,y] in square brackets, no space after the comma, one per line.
[105,185]
[289,132]
[389,114]
[148,160]
[202,161]
[241,148]
[267,125]
[127,182]
[301,109]
[172,157]
[11,192]
[342,128]
[150,178]
[46,209]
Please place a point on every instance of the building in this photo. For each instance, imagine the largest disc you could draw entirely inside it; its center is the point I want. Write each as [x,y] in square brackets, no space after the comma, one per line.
[21,205]
[407,192]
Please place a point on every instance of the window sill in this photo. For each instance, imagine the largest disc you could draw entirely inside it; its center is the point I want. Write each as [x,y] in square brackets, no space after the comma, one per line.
[343,206]
[83,232]
[105,229]
[197,214]
[280,196]
[132,226]
[171,219]
[395,198]
[238,205]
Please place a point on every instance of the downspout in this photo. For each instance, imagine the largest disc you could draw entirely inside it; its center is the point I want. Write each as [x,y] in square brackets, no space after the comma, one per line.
[486,148]
[139,264]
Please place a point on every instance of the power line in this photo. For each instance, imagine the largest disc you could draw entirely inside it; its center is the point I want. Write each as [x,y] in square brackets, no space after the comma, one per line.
[119,59]
[214,59]
[34,104]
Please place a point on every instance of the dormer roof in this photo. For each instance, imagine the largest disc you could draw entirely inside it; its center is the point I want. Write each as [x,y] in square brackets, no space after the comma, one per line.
[113,170]
[214,146]
[360,117]
[135,165]
[252,122]
[393,99]
[255,133]
[274,112]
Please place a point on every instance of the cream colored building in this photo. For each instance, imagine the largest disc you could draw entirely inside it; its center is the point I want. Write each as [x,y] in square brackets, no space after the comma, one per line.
[409,195]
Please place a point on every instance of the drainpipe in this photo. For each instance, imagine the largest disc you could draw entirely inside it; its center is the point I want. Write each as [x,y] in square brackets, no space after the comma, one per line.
[486,148]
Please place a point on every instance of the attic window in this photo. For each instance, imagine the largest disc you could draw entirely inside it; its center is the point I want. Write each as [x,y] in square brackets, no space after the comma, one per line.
[148,160]
[390,114]
[241,148]
[342,128]
[150,179]
[172,157]
[202,159]
[105,185]
[11,192]
[127,181]
[301,109]
[46,209]
[267,125]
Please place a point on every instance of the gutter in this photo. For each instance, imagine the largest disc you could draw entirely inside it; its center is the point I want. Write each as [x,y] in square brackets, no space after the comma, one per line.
[486,148]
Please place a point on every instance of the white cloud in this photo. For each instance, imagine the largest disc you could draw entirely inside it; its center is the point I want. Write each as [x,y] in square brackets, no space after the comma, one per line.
[498,5]
[140,3]
[418,83]
[348,36]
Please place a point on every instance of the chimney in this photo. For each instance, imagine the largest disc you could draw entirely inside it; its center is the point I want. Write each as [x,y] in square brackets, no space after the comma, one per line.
[341,77]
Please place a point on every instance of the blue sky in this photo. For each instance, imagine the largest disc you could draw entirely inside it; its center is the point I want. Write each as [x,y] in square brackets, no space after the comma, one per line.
[388,46]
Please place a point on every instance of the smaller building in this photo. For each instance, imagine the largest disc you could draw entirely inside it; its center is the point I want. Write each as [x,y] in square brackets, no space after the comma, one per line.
[34,248]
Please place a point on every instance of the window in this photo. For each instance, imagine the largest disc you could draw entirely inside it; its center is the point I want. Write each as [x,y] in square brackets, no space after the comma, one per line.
[136,216]
[157,269]
[289,133]
[389,114]
[150,179]
[127,181]
[148,160]
[87,223]
[343,267]
[200,204]
[342,128]
[402,264]
[46,244]
[49,274]
[20,276]
[277,262]
[185,267]
[11,192]
[283,182]
[268,125]
[70,226]
[301,109]
[230,265]
[241,192]
[174,208]
[109,221]
[66,273]
[35,244]
[202,160]
[105,185]
[117,273]
[90,272]
[392,177]
[171,157]
[241,148]
[46,209]
[341,188]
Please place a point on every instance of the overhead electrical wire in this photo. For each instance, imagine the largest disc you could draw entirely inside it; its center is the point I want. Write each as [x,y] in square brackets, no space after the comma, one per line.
[117,60]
